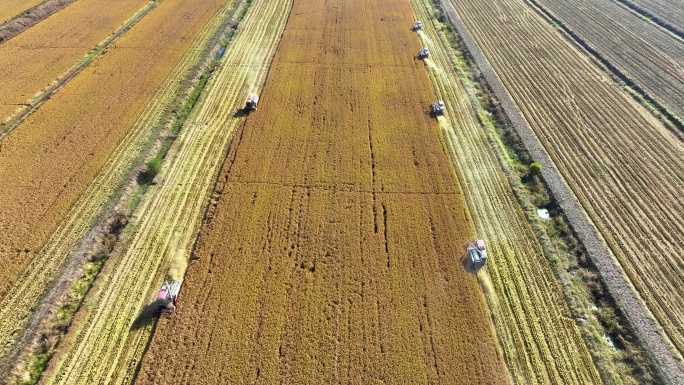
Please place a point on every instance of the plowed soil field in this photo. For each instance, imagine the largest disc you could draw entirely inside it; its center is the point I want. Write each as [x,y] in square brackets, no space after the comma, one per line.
[651,57]
[531,317]
[622,164]
[333,252]
[50,160]
[32,60]
[11,8]
[109,335]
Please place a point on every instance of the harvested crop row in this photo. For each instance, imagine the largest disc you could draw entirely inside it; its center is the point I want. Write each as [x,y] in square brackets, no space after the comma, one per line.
[530,315]
[52,158]
[110,334]
[333,252]
[621,163]
[16,306]
[11,8]
[651,57]
[672,11]
[31,61]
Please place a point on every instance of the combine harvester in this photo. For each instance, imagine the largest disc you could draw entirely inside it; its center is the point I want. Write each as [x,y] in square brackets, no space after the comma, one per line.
[251,103]
[423,53]
[418,26]
[437,108]
[477,254]
[168,297]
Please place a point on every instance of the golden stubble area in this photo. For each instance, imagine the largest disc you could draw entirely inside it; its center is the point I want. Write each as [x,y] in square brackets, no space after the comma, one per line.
[333,252]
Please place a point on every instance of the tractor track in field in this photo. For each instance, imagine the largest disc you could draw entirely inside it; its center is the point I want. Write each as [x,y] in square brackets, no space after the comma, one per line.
[116,323]
[640,318]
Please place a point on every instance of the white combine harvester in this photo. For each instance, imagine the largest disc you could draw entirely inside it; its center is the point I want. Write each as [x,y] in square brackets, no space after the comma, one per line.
[477,254]
[168,297]
[437,108]
[251,103]
[423,54]
[418,26]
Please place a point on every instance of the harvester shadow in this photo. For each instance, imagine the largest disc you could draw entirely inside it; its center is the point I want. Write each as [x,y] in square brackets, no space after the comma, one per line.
[146,317]
[467,265]
[241,112]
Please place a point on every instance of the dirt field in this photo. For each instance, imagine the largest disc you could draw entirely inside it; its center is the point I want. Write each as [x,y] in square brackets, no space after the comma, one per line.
[651,57]
[671,11]
[50,160]
[333,252]
[50,48]
[166,225]
[617,159]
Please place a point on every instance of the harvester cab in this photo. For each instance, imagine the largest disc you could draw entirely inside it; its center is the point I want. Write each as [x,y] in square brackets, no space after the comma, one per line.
[251,103]
[168,297]
[437,108]
[423,54]
[418,26]
[477,253]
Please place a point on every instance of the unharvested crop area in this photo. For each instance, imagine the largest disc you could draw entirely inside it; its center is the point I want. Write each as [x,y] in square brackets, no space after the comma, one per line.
[165,226]
[51,47]
[621,163]
[334,250]
[53,157]
[12,8]
[651,57]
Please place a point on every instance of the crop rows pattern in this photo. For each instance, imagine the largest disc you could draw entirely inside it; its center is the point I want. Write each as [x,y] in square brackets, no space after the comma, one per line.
[671,11]
[619,161]
[333,252]
[55,154]
[532,321]
[651,57]
[110,335]
[15,307]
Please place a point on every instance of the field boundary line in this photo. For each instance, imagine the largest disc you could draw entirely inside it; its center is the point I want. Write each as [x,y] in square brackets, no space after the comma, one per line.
[645,14]
[627,299]
[41,97]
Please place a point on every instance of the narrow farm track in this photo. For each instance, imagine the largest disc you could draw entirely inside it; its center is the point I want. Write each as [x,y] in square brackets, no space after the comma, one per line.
[70,138]
[651,57]
[333,250]
[620,162]
[110,334]
[31,61]
[17,305]
[11,8]
[672,11]
[531,318]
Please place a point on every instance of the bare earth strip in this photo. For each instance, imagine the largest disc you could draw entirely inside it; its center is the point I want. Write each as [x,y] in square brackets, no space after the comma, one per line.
[606,164]
[17,305]
[50,160]
[110,334]
[11,8]
[333,253]
[532,320]
[651,57]
[31,61]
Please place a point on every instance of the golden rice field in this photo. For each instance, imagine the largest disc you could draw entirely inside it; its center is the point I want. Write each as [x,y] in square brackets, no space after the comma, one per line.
[321,238]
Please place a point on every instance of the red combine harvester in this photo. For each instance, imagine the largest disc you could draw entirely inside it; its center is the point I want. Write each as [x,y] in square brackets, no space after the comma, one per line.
[251,103]
[168,297]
